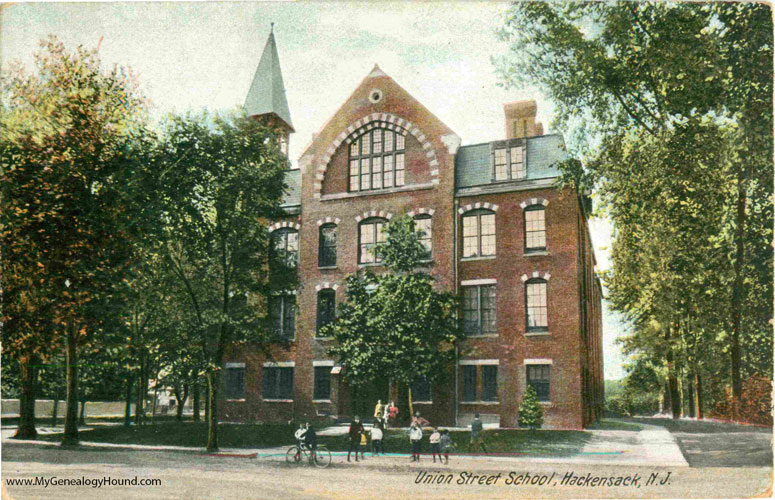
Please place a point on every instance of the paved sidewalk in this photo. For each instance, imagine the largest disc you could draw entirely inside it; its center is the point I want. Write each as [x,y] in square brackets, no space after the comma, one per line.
[652,445]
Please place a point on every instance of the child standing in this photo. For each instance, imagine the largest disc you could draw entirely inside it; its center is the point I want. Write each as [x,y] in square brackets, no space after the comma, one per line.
[415,437]
[446,444]
[376,439]
[435,440]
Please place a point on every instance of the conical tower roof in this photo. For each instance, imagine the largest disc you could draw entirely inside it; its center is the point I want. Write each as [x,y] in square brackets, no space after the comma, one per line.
[267,92]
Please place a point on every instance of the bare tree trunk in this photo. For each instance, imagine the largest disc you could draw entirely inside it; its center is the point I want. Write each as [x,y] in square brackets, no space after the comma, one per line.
[128,402]
[690,396]
[82,414]
[212,423]
[181,402]
[55,410]
[71,415]
[196,400]
[698,394]
[207,405]
[155,398]
[672,380]
[26,428]
[737,295]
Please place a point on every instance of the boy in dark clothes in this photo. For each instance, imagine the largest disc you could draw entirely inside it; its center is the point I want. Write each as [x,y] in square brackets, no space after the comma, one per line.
[355,431]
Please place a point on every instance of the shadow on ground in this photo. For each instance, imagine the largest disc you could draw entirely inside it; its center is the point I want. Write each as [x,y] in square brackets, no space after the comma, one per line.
[717,444]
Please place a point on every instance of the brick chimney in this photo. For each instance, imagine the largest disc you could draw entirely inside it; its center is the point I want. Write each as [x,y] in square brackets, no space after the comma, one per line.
[520,119]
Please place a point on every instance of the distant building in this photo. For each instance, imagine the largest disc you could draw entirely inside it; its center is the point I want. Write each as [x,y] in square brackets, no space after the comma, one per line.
[499,233]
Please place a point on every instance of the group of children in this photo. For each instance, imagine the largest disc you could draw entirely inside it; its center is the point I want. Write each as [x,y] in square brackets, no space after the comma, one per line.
[440,441]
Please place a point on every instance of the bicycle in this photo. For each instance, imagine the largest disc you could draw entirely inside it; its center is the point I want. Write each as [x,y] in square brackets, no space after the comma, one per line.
[322,457]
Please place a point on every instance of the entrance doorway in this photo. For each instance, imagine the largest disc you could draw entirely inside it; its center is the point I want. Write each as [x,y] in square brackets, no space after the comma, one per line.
[365,396]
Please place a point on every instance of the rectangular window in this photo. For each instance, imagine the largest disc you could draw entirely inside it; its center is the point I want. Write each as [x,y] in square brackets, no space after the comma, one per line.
[489,382]
[388,141]
[234,382]
[282,315]
[365,174]
[535,292]
[421,390]
[366,142]
[422,224]
[376,172]
[399,170]
[327,246]
[501,165]
[479,311]
[354,175]
[326,307]
[488,234]
[469,382]
[535,228]
[517,163]
[322,383]
[470,237]
[388,171]
[538,378]
[278,382]
[377,141]
[399,142]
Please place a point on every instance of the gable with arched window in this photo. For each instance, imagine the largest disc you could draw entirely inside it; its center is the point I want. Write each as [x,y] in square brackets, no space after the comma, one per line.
[377,159]
[370,235]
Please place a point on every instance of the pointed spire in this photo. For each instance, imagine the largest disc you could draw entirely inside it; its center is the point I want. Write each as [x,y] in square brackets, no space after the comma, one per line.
[376,71]
[267,92]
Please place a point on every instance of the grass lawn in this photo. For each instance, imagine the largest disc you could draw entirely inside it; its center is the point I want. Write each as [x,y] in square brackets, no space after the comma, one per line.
[536,443]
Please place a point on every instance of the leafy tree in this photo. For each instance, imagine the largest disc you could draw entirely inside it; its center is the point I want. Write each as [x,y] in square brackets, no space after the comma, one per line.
[671,103]
[72,156]
[397,322]
[530,412]
[222,181]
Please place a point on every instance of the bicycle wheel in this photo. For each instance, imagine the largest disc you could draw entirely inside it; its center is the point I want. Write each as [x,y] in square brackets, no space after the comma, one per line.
[293,455]
[322,457]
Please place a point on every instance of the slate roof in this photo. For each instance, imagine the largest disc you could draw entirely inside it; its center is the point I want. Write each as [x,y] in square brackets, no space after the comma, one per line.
[473,167]
[267,92]
[293,196]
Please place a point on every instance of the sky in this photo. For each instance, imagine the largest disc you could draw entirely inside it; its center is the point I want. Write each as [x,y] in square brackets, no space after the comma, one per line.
[192,56]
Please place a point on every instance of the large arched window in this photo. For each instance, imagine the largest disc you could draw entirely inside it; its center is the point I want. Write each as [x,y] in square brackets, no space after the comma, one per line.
[327,246]
[536,305]
[370,235]
[535,228]
[284,250]
[478,233]
[377,160]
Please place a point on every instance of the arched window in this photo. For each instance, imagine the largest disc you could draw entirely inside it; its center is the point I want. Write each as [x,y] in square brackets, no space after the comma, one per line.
[326,307]
[478,233]
[370,235]
[284,250]
[535,228]
[327,245]
[536,305]
[423,225]
[377,160]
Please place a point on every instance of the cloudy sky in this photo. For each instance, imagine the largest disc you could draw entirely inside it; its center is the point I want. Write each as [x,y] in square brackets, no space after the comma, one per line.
[191,56]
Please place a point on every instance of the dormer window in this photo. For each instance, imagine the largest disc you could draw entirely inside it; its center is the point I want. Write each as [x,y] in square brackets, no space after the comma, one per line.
[509,163]
[377,160]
